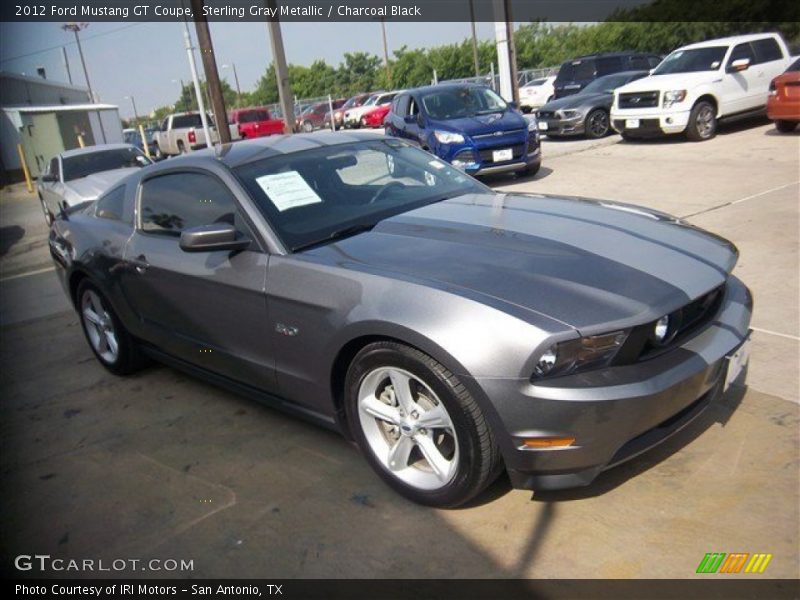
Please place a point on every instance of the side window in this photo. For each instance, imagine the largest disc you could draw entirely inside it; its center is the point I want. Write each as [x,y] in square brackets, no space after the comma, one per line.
[654,61]
[767,50]
[609,64]
[171,203]
[640,63]
[412,107]
[401,105]
[165,124]
[111,205]
[54,169]
[742,51]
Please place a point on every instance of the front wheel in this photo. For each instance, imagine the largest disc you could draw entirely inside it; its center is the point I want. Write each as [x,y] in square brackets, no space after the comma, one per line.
[786,126]
[48,216]
[307,127]
[418,426]
[702,122]
[112,345]
[597,124]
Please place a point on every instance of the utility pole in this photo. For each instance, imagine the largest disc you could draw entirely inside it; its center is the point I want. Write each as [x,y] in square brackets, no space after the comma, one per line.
[66,63]
[236,79]
[506,54]
[281,71]
[212,75]
[197,91]
[474,39]
[386,53]
[133,103]
[75,28]
[512,52]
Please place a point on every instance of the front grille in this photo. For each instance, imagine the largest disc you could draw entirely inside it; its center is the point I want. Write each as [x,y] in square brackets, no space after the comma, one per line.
[532,145]
[638,100]
[484,136]
[486,153]
[548,114]
[690,319]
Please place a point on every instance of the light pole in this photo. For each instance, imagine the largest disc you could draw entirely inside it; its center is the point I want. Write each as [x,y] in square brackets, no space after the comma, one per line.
[133,102]
[386,53]
[75,28]
[236,79]
[145,145]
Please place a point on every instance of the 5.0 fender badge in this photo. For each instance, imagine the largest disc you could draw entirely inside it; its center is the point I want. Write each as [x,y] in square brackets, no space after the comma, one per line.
[287,330]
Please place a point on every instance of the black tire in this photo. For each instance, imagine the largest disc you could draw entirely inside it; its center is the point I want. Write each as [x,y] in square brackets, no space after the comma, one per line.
[479,460]
[362,124]
[702,122]
[307,126]
[129,358]
[786,126]
[597,124]
[530,170]
[181,147]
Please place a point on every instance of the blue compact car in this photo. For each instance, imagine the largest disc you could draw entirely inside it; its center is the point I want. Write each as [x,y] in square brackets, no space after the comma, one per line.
[469,126]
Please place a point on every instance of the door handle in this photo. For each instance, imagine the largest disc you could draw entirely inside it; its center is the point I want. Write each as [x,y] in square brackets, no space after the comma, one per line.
[139,264]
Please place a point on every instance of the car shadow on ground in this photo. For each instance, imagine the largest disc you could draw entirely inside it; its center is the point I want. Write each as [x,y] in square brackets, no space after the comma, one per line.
[9,236]
[509,179]
[723,129]
[774,132]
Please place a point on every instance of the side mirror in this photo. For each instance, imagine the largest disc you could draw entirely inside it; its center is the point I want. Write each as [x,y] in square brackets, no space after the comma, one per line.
[213,237]
[740,64]
[512,105]
[49,178]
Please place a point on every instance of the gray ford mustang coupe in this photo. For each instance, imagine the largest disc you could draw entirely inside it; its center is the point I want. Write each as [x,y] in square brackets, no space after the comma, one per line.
[451,331]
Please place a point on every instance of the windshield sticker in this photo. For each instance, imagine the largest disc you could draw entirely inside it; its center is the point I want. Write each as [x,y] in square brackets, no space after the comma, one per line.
[436,164]
[287,190]
[430,179]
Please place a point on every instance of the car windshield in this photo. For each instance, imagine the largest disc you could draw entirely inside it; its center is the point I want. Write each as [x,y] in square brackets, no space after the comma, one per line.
[83,165]
[795,66]
[690,61]
[320,195]
[457,102]
[371,100]
[605,84]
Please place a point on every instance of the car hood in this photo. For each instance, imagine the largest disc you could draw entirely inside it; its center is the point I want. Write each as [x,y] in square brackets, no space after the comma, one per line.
[578,101]
[481,124]
[91,186]
[672,81]
[592,265]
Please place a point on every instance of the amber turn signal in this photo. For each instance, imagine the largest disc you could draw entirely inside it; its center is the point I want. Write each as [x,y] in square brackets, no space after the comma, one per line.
[548,442]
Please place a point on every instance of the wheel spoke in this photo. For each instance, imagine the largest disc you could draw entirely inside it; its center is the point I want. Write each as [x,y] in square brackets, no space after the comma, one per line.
[102,342]
[91,316]
[111,342]
[437,462]
[380,410]
[435,418]
[399,453]
[402,391]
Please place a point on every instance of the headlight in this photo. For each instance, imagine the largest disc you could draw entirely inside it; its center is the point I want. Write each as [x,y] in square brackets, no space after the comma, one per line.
[533,124]
[674,97]
[448,137]
[583,353]
[570,114]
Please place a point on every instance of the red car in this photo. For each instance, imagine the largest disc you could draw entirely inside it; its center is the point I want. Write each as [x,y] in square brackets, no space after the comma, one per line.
[375,117]
[254,122]
[783,104]
[317,115]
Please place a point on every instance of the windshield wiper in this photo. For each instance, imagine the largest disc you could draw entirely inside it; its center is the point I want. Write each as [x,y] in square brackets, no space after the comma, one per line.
[338,234]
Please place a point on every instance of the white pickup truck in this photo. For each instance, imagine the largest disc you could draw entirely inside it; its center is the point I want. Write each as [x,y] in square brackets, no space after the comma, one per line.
[183,132]
[698,85]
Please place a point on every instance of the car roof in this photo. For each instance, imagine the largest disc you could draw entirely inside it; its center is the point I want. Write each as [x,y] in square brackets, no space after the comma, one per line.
[93,149]
[444,86]
[245,151]
[611,55]
[727,41]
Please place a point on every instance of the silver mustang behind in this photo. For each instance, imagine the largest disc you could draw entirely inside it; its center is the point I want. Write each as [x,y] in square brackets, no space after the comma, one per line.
[81,175]
[452,332]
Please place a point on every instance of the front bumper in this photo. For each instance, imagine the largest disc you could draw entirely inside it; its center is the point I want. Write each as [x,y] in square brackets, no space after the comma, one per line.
[614,414]
[478,158]
[652,122]
[565,127]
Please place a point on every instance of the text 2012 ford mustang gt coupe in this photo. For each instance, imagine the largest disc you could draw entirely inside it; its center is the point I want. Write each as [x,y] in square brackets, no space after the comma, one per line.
[451,331]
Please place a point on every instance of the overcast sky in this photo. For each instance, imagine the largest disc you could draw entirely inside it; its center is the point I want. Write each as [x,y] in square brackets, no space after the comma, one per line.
[143,59]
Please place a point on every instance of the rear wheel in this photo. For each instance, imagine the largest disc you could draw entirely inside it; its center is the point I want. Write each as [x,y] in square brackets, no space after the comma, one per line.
[702,122]
[785,126]
[307,126]
[48,216]
[418,427]
[181,147]
[109,340]
[596,124]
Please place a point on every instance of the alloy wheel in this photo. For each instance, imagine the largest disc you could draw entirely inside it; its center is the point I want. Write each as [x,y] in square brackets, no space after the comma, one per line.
[704,121]
[99,326]
[598,124]
[408,428]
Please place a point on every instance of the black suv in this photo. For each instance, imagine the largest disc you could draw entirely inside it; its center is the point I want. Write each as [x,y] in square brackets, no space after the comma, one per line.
[576,74]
